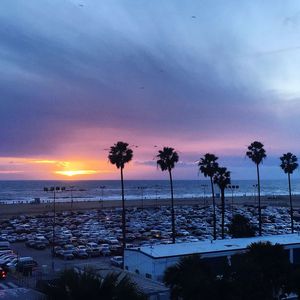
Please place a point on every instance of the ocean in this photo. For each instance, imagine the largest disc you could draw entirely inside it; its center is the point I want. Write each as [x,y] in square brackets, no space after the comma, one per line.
[85,190]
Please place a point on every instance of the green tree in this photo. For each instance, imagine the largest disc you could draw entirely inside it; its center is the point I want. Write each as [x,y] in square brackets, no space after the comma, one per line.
[262,272]
[167,158]
[119,155]
[289,165]
[222,179]
[257,153]
[72,285]
[240,227]
[208,166]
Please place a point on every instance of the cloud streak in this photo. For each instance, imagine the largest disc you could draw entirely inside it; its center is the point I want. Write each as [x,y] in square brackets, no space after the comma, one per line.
[78,78]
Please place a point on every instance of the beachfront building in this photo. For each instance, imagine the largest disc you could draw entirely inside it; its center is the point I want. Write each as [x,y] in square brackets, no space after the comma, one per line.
[152,261]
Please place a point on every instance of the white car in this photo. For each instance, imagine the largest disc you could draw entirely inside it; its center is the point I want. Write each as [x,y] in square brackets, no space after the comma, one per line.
[117,261]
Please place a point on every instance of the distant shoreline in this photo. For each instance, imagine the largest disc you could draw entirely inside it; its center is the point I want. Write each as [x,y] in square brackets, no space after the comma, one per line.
[10,210]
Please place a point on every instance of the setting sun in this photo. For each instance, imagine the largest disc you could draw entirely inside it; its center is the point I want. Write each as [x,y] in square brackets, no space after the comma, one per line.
[71,173]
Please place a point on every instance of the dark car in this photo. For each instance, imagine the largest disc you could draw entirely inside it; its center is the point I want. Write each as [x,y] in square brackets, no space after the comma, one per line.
[25,263]
[58,251]
[116,250]
[105,252]
[30,243]
[81,253]
[67,255]
[39,246]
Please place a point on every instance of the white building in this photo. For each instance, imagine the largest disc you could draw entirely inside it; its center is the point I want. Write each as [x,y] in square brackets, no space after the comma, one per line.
[151,261]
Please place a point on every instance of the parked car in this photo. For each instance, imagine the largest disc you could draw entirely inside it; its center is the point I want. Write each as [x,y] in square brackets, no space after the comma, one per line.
[39,246]
[67,254]
[25,262]
[93,249]
[105,252]
[11,265]
[81,247]
[4,245]
[58,251]
[30,243]
[81,253]
[116,250]
[117,261]
[69,247]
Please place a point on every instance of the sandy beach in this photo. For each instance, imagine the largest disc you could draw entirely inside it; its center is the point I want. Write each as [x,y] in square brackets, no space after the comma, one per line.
[9,210]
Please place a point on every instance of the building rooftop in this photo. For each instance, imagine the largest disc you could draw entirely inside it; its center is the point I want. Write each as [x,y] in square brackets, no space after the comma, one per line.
[202,247]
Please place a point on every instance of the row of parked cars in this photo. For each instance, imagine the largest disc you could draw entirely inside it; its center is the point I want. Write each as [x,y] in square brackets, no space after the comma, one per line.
[10,261]
[146,227]
[91,249]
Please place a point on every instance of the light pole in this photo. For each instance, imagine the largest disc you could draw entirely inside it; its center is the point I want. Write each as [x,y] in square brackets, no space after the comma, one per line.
[142,194]
[71,190]
[54,190]
[102,187]
[254,192]
[156,194]
[232,188]
[204,186]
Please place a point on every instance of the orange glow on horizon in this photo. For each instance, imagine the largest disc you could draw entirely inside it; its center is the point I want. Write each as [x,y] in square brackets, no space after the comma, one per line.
[71,173]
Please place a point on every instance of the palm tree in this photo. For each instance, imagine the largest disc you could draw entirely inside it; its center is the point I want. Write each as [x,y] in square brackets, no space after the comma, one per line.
[166,161]
[89,285]
[119,155]
[222,179]
[263,272]
[208,166]
[257,153]
[289,165]
[190,278]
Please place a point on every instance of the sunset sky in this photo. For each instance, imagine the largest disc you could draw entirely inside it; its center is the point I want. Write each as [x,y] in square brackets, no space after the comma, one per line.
[199,76]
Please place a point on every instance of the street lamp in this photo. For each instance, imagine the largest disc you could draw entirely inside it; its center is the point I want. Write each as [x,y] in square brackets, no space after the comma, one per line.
[71,190]
[156,194]
[204,186]
[54,190]
[255,186]
[142,194]
[102,187]
[232,188]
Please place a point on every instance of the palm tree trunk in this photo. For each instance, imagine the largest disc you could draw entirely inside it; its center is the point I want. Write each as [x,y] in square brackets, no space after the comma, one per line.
[223,211]
[259,205]
[172,208]
[291,203]
[123,216]
[214,208]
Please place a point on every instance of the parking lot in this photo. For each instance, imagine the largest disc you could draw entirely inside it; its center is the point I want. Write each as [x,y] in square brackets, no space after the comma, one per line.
[44,258]
[93,237]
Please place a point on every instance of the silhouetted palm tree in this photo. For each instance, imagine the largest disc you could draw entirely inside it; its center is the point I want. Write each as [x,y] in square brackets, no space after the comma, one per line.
[208,166]
[289,165]
[190,278]
[263,272]
[88,285]
[167,158]
[119,155]
[257,153]
[222,179]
